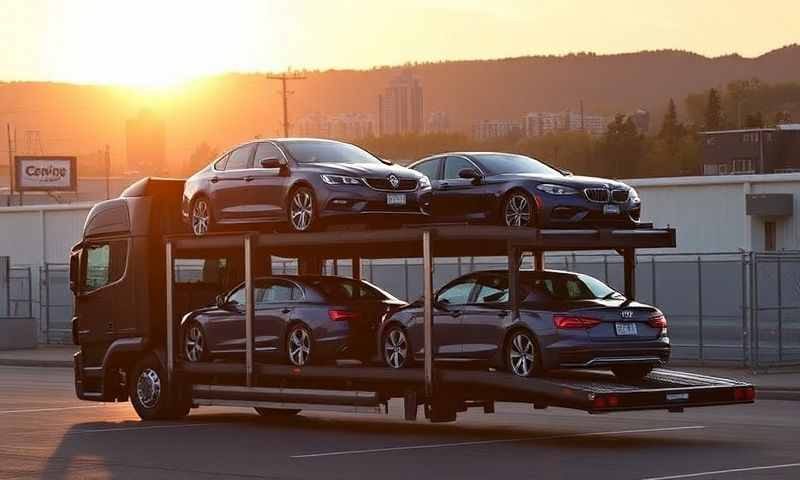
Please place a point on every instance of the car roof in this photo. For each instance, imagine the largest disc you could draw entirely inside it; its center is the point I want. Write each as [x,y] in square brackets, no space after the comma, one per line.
[533,273]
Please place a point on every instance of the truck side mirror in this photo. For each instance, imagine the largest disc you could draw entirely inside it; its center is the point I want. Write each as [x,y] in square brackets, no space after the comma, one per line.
[74,271]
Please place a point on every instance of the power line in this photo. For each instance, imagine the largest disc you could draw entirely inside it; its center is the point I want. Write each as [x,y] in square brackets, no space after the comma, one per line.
[283,78]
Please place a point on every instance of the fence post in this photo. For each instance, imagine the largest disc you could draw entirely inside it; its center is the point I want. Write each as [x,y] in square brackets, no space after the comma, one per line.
[780,312]
[754,312]
[744,305]
[700,306]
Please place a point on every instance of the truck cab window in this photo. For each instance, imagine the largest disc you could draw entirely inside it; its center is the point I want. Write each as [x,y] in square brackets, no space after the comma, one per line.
[105,264]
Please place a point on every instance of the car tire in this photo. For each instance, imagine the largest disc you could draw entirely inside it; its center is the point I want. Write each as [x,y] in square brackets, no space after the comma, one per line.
[521,353]
[302,210]
[396,348]
[195,343]
[632,373]
[518,210]
[299,345]
[150,394]
[200,217]
[277,412]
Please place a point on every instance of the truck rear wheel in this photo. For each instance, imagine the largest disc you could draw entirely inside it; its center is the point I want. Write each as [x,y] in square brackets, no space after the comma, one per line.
[151,396]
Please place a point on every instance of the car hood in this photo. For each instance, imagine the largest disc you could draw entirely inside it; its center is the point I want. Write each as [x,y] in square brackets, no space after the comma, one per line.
[576,181]
[362,169]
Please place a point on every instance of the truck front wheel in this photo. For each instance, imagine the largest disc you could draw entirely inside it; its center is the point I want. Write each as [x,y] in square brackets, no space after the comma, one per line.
[151,396]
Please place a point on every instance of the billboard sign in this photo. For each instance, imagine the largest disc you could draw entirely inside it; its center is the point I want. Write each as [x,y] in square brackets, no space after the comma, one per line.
[39,173]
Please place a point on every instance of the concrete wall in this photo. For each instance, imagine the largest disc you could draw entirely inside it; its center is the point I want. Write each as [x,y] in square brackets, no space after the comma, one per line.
[709,212]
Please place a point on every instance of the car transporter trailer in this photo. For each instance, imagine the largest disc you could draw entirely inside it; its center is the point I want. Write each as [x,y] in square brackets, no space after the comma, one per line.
[442,391]
[144,300]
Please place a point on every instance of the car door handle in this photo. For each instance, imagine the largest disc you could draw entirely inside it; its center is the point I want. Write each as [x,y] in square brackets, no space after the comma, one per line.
[249,178]
[455,314]
[443,185]
[214,179]
[286,310]
[502,314]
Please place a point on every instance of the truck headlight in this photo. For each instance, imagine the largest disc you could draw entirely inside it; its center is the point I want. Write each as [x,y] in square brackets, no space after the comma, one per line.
[556,189]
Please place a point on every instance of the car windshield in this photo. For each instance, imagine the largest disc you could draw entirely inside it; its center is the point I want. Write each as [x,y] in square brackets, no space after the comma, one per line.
[503,163]
[567,287]
[314,151]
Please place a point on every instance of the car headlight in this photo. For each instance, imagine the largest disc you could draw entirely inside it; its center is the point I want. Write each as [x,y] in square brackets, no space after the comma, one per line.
[556,189]
[633,195]
[424,182]
[340,180]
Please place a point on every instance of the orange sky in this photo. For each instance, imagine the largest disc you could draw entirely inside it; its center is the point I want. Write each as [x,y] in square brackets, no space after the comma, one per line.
[163,42]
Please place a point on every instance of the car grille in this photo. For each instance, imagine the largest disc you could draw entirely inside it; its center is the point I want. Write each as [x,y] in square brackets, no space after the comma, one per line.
[599,195]
[619,195]
[406,184]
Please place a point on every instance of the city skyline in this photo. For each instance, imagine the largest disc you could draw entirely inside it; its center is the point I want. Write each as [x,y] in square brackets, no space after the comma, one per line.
[84,41]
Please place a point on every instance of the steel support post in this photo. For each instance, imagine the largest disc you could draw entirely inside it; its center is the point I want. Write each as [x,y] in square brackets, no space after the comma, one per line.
[629,257]
[427,261]
[357,268]
[538,260]
[250,308]
[170,291]
[513,280]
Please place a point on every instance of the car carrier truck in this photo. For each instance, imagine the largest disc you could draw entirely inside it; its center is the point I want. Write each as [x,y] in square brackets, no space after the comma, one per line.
[131,292]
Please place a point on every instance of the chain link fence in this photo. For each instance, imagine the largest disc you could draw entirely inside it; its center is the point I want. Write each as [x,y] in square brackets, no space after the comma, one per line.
[741,308]
[16,299]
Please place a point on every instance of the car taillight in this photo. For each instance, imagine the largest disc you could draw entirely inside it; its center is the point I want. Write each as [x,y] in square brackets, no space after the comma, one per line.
[565,321]
[343,315]
[657,321]
[744,394]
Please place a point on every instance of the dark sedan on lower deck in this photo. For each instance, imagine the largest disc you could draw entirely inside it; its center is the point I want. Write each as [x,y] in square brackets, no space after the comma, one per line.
[515,190]
[298,320]
[566,320]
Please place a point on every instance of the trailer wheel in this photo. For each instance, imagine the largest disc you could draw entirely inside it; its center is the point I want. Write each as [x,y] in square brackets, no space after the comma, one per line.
[275,412]
[632,373]
[151,396]
[298,345]
[396,348]
[522,354]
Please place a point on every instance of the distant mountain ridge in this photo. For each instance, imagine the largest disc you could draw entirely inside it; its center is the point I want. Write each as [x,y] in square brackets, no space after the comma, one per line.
[230,108]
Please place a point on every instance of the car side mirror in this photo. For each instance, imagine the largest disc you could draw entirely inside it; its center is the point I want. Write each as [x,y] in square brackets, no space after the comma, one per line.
[468,174]
[271,162]
[567,173]
[443,304]
[221,302]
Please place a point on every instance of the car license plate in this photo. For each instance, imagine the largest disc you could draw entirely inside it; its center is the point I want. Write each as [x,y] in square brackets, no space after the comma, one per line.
[395,199]
[626,329]
[611,209]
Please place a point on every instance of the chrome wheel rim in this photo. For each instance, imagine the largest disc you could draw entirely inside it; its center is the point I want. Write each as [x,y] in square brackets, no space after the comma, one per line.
[302,210]
[200,218]
[518,210]
[195,343]
[299,347]
[521,355]
[395,348]
[148,388]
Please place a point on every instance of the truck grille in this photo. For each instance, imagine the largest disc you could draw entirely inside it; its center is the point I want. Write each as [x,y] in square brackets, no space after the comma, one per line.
[406,184]
[599,195]
[619,195]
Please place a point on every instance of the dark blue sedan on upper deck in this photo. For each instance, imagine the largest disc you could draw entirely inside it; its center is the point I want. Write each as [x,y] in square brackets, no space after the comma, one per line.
[515,190]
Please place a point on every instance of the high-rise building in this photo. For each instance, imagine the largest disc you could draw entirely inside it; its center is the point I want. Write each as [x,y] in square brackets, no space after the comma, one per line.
[342,126]
[438,122]
[145,144]
[400,106]
[488,129]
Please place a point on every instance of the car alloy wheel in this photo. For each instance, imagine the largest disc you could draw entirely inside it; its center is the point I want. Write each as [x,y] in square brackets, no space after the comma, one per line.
[522,354]
[148,388]
[301,210]
[201,217]
[299,346]
[395,348]
[518,210]
[195,343]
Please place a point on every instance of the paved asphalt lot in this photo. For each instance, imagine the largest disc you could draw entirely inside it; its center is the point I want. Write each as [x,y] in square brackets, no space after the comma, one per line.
[45,432]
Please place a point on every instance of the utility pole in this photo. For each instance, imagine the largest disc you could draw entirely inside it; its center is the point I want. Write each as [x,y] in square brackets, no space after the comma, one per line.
[10,166]
[283,78]
[107,158]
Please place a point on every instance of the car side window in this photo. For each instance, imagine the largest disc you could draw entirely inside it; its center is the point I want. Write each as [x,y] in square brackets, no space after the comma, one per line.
[453,165]
[239,296]
[280,291]
[239,158]
[220,164]
[492,290]
[266,150]
[430,168]
[458,293]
